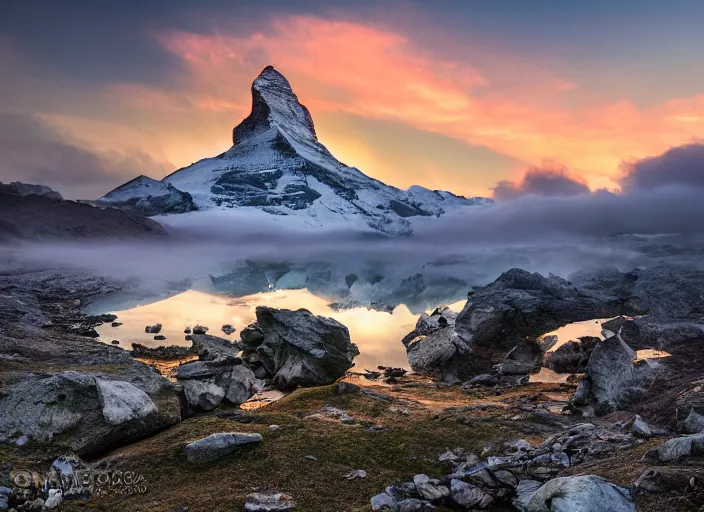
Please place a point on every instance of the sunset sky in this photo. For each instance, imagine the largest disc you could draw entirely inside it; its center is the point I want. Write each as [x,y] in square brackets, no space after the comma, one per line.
[455,95]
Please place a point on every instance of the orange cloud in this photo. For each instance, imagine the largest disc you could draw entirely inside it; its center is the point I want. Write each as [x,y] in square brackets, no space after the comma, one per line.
[515,106]
[365,71]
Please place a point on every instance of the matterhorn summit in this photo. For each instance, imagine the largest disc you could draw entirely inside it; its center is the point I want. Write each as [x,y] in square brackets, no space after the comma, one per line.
[277,165]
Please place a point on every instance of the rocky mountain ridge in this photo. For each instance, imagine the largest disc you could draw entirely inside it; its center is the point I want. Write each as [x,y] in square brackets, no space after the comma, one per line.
[277,165]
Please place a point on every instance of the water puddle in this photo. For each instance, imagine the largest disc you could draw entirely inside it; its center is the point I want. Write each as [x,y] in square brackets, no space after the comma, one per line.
[651,353]
[576,330]
[377,334]
[548,376]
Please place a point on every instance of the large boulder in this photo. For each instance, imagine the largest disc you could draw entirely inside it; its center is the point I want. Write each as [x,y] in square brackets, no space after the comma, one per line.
[612,379]
[297,348]
[587,493]
[207,383]
[86,412]
[439,353]
[646,332]
[518,306]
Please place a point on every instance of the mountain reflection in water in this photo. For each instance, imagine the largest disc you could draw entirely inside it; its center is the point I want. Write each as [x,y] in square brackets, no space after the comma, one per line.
[377,334]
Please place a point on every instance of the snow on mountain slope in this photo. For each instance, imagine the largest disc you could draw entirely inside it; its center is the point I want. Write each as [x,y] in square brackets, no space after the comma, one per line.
[278,166]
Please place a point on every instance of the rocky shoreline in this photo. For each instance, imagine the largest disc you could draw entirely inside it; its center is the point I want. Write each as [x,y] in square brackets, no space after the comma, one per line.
[66,395]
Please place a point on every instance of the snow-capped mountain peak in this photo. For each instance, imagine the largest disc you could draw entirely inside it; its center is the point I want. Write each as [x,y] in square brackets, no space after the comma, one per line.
[277,166]
[275,104]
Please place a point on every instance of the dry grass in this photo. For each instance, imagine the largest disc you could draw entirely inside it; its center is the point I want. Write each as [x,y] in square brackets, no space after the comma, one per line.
[410,446]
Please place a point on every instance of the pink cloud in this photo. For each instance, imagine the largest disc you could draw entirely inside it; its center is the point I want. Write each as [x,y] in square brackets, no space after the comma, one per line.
[517,108]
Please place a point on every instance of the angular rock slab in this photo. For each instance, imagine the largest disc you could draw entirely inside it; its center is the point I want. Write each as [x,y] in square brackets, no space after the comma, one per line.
[588,493]
[66,409]
[612,380]
[297,348]
[218,445]
[203,395]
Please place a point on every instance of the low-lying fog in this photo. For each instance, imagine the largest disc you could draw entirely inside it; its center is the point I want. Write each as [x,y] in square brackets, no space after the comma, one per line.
[437,264]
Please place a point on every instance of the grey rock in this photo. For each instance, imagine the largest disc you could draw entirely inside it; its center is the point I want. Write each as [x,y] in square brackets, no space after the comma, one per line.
[525,491]
[355,474]
[669,479]
[243,385]
[588,493]
[298,348]
[466,495]
[614,325]
[640,428]
[383,501]
[573,356]
[612,380]
[228,329]
[520,305]
[413,505]
[269,502]
[440,353]
[679,448]
[693,424]
[204,369]
[522,359]
[646,332]
[69,405]
[346,388]
[209,348]
[153,329]
[200,329]
[219,445]
[124,402]
[202,395]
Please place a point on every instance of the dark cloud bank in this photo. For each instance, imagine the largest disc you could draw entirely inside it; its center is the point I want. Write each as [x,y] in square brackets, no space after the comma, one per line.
[33,152]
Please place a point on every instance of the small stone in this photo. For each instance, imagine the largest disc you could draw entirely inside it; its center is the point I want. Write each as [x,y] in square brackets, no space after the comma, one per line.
[227,329]
[345,388]
[383,501]
[356,473]
[115,342]
[159,337]
[675,449]
[268,502]
[464,494]
[55,498]
[116,324]
[153,329]
[693,424]
[640,428]
[218,445]
[274,428]
[200,329]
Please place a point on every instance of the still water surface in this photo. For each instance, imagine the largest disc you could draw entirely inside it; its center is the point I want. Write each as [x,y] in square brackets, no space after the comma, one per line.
[377,334]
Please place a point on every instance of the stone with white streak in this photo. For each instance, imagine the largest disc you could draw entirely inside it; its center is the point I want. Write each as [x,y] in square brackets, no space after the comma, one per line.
[123,402]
